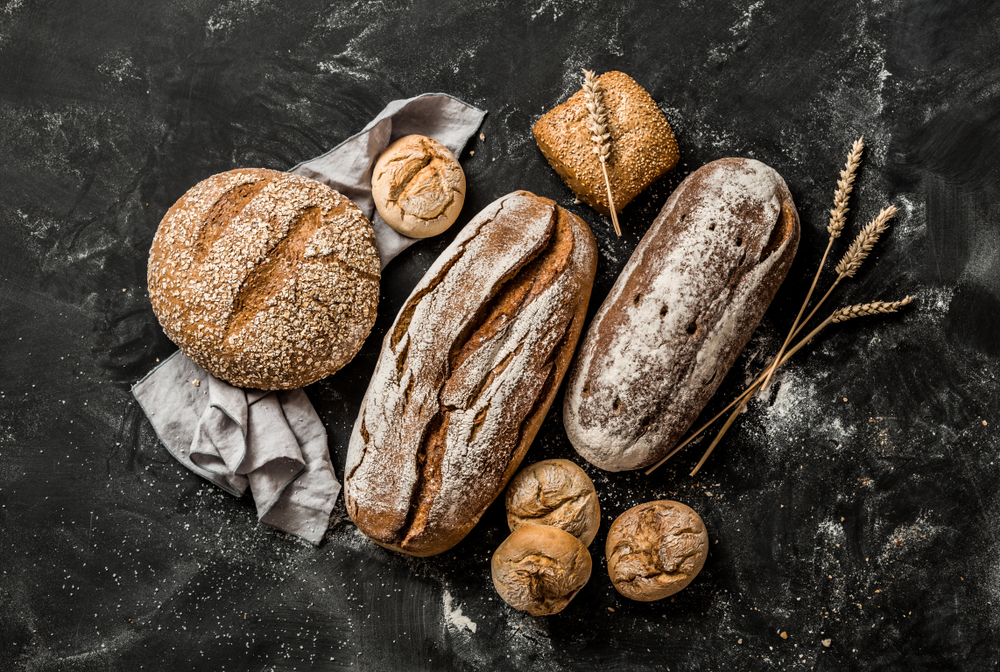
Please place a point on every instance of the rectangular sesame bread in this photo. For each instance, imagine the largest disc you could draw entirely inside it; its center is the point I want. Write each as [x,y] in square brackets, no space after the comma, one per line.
[642,145]
[680,313]
[467,373]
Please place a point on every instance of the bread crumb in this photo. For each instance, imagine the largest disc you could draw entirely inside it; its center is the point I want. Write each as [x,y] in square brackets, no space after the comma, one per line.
[472,152]
[196,383]
[845,398]
[611,609]
[482,137]
[984,423]
[827,643]
[739,641]
[784,635]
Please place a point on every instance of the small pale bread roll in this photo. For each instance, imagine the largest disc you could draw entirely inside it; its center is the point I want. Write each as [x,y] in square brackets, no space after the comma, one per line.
[655,550]
[539,569]
[557,493]
[418,186]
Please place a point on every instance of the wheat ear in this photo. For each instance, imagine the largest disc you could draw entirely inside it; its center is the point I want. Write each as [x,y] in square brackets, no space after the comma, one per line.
[840,315]
[855,255]
[601,136]
[838,217]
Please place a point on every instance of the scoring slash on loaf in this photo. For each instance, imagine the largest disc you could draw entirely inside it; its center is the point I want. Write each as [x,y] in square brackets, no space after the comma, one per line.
[265,279]
[467,372]
[680,313]
[418,186]
[655,550]
[642,147]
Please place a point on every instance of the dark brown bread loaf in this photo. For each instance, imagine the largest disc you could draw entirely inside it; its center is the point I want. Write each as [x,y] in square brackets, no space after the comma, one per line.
[680,313]
[655,550]
[540,569]
[265,279]
[467,373]
[643,147]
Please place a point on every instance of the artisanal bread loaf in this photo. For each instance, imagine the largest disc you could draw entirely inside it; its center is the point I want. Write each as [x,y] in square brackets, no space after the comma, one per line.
[539,569]
[643,147]
[556,493]
[680,313]
[418,186]
[265,279]
[467,373]
[655,550]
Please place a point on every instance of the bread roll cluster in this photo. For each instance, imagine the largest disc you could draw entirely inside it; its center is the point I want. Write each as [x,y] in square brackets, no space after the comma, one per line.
[553,515]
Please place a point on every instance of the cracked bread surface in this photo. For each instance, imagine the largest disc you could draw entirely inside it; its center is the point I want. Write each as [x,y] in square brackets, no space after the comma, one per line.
[265,279]
[418,186]
[680,313]
[467,373]
[655,549]
[557,493]
[540,569]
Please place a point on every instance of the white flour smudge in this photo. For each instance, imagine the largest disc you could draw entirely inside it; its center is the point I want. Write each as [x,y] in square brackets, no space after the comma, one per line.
[454,616]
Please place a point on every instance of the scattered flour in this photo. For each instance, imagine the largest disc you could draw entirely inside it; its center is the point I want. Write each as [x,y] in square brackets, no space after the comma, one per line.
[454,617]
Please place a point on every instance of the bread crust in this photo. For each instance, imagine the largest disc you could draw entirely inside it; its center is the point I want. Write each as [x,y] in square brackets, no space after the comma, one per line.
[655,550]
[467,373]
[557,493]
[418,186]
[540,569]
[680,313]
[265,279]
[643,147]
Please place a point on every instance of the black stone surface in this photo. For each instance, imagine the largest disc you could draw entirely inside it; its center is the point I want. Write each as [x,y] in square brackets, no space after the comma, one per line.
[857,503]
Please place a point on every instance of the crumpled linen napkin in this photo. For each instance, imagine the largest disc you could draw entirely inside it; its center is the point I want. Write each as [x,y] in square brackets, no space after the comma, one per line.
[274,442]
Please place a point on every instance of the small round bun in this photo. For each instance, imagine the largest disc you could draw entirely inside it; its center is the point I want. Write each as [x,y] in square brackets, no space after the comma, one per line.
[539,569]
[418,186]
[655,550]
[557,493]
[265,279]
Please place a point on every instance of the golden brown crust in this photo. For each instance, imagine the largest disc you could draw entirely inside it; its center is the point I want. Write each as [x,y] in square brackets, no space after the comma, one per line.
[655,550]
[557,493]
[467,373]
[418,186]
[265,279]
[540,569]
[643,147]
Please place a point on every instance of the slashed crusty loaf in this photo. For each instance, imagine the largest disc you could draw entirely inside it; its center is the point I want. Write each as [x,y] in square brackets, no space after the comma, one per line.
[467,373]
[265,279]
[680,313]
[643,147]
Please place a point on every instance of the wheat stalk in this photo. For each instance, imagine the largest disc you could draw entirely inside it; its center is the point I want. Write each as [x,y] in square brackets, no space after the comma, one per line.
[838,216]
[840,315]
[598,122]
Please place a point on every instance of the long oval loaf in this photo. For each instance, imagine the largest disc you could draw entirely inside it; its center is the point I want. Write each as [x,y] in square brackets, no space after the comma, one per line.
[467,373]
[680,313]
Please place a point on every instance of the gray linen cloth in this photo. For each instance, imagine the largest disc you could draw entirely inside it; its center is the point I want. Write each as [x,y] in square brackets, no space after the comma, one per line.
[274,442]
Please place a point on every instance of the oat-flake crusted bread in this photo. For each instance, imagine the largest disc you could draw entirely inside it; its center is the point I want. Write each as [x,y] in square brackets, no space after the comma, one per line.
[680,313]
[265,279]
[467,373]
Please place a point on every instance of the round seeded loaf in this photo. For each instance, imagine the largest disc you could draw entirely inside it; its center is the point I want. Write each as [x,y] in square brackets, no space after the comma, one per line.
[265,279]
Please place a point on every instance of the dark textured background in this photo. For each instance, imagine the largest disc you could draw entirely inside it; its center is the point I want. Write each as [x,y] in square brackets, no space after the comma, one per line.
[857,502]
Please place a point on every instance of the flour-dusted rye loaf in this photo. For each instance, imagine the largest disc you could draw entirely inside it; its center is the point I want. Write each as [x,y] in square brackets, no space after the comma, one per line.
[467,372]
[680,313]
[265,279]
